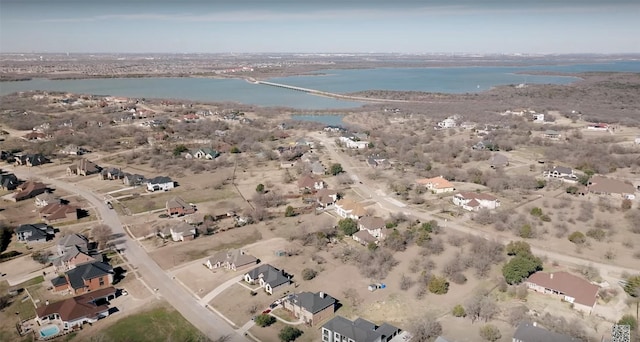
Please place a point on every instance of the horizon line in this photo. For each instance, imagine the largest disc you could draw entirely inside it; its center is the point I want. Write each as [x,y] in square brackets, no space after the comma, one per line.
[325,53]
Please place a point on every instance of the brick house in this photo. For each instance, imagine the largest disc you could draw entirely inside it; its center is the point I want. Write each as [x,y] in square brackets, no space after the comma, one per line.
[85,278]
[340,329]
[84,167]
[76,311]
[58,212]
[312,308]
[28,189]
[177,206]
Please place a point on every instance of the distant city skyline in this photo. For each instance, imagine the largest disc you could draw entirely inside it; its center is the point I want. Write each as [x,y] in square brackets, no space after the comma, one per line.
[348,26]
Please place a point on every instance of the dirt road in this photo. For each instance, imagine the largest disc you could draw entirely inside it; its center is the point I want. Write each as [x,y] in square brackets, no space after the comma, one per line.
[203,319]
[361,185]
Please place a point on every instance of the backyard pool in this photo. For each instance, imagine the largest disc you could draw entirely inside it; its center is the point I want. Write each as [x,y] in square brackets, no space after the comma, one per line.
[49,330]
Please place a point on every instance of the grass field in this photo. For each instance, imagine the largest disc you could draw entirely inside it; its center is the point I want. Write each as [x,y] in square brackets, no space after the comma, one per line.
[158,200]
[158,324]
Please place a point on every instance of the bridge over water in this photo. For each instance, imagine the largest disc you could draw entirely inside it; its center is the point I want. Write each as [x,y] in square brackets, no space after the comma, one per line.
[326,93]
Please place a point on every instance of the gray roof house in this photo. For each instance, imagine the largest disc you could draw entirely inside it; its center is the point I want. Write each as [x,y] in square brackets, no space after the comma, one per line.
[160,183]
[71,241]
[231,260]
[341,329]
[312,308]
[37,232]
[83,278]
[132,179]
[530,332]
[268,277]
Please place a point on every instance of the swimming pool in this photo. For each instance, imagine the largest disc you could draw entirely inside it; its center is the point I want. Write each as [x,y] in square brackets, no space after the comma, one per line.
[49,330]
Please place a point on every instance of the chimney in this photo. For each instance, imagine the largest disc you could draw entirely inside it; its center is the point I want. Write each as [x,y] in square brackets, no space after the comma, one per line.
[550,275]
[46,302]
[321,294]
[535,324]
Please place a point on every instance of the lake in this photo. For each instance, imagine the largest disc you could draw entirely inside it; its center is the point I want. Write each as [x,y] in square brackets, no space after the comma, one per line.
[444,80]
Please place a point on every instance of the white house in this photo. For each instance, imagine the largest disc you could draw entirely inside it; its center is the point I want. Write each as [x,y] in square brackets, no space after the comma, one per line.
[160,183]
[182,231]
[447,123]
[350,143]
[565,174]
[346,208]
[437,185]
[473,201]
[601,127]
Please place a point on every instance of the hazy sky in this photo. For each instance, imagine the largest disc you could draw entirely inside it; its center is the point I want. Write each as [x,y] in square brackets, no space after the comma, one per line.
[475,26]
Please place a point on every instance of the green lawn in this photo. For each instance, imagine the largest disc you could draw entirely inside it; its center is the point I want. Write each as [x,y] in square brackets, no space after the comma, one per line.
[159,324]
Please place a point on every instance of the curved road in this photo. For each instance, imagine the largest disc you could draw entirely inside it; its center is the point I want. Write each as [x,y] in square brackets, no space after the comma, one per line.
[206,321]
[393,205]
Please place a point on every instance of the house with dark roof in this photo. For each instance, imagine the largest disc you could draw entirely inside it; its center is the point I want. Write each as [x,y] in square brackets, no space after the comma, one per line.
[132,179]
[85,278]
[312,308]
[573,289]
[177,206]
[231,260]
[76,311]
[340,329]
[83,167]
[30,159]
[202,153]
[562,173]
[112,173]
[531,332]
[72,240]
[159,183]
[34,233]
[474,201]
[268,277]
[59,212]
[28,189]
[612,187]
[8,181]
[73,257]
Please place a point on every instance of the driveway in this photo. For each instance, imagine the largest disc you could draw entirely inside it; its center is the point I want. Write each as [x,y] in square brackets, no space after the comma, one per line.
[206,321]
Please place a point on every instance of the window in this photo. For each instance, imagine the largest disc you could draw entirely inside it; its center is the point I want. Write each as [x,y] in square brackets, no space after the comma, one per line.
[325,332]
[101,281]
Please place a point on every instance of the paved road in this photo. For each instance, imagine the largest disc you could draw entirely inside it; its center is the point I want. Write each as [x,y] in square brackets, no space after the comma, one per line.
[361,186]
[202,318]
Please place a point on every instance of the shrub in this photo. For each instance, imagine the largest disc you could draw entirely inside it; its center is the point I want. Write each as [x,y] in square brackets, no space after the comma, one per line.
[289,333]
[260,188]
[264,320]
[308,274]
[289,212]
[630,321]
[348,226]
[490,332]
[458,311]
[596,234]
[578,238]
[536,212]
[518,247]
[336,169]
[521,267]
[525,231]
[438,285]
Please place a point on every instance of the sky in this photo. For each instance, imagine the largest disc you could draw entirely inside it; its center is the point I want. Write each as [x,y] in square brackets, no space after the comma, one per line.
[312,26]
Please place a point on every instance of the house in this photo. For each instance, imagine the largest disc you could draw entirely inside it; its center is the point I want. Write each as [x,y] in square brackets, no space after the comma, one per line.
[437,185]
[177,206]
[353,144]
[551,134]
[340,329]
[132,179]
[159,183]
[231,260]
[287,164]
[326,198]
[73,257]
[83,167]
[531,332]
[498,160]
[8,181]
[305,142]
[28,189]
[581,293]
[311,308]
[85,278]
[32,233]
[347,208]
[112,173]
[268,277]
[30,160]
[600,127]
[202,153]
[76,311]
[474,201]
[72,240]
[374,225]
[317,168]
[562,173]
[309,183]
[35,136]
[72,150]
[447,123]
[376,161]
[180,232]
[59,212]
[364,238]
[614,187]
[46,198]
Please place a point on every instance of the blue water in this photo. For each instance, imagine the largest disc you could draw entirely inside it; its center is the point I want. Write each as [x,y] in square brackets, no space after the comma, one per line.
[329,120]
[49,331]
[444,80]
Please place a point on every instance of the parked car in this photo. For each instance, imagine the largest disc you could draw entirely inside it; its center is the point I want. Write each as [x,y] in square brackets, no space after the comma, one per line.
[109,205]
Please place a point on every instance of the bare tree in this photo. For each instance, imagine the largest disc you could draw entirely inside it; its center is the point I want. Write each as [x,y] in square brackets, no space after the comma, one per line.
[352,296]
[101,234]
[425,329]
